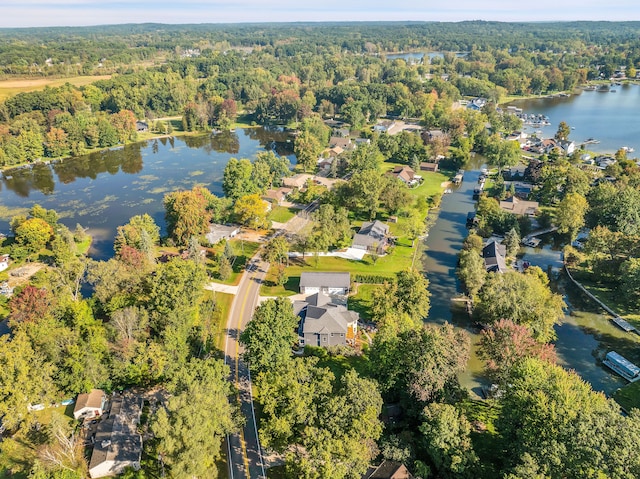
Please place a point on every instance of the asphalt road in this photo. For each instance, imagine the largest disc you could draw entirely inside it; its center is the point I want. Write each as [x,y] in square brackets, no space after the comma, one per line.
[243,448]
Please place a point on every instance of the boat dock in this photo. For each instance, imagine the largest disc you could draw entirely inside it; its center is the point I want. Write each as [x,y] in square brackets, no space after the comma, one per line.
[624,325]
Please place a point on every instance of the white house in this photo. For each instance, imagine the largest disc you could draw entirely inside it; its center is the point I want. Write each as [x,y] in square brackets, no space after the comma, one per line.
[325,283]
[90,404]
[4,262]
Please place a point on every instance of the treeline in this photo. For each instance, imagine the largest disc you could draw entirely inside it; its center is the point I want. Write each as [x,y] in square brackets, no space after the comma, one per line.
[285,83]
[83,49]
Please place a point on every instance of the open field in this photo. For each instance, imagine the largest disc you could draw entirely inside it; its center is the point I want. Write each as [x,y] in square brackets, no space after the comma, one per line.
[14,86]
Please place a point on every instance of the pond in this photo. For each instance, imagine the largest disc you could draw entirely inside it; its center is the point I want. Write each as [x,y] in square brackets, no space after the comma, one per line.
[103,190]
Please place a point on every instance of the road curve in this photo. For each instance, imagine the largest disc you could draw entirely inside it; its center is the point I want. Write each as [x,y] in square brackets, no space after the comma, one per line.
[244,455]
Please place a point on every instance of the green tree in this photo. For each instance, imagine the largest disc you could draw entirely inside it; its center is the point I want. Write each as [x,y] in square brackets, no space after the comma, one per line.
[570,214]
[472,271]
[141,233]
[187,214]
[25,378]
[276,250]
[563,131]
[251,211]
[33,234]
[512,242]
[307,149]
[524,298]
[447,435]
[270,335]
[238,179]
[192,425]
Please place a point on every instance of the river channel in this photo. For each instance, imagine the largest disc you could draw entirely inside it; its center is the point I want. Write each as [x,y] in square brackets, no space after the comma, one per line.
[585,334]
[103,190]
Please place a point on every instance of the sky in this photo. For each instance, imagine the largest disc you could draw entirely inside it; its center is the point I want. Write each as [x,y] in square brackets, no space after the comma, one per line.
[36,13]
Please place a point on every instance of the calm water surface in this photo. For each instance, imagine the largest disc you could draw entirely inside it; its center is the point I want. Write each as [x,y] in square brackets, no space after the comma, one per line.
[585,334]
[612,118]
[103,190]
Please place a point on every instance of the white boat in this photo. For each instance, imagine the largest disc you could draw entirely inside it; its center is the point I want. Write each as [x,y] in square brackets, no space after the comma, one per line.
[627,149]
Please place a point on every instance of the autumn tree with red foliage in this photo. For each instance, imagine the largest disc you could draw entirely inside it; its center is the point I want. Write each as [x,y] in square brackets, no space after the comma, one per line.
[29,305]
[507,343]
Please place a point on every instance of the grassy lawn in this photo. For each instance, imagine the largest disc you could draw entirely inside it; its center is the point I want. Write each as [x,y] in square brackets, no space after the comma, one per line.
[399,259]
[282,214]
[610,296]
[243,250]
[83,246]
[14,86]
[223,302]
[362,301]
[628,396]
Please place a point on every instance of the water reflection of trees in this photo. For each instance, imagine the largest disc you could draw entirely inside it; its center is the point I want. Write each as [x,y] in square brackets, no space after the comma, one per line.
[224,142]
[25,180]
[127,159]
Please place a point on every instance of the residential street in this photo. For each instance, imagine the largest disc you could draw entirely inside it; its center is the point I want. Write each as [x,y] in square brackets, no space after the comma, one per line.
[244,454]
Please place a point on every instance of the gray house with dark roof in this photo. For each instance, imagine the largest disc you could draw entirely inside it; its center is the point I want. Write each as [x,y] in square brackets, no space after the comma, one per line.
[373,236]
[324,323]
[325,283]
[118,445]
[494,257]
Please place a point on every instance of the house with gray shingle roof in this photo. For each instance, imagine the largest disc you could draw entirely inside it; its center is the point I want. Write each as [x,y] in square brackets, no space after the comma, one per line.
[372,236]
[494,257]
[118,444]
[324,323]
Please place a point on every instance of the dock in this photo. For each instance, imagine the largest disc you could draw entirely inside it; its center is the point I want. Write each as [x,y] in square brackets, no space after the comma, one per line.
[624,325]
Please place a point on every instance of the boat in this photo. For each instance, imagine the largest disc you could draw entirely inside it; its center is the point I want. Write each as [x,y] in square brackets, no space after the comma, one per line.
[531,242]
[622,366]
[627,149]
[591,141]
[448,191]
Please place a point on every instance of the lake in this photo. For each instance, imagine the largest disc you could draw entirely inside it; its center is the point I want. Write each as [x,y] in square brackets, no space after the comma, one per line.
[103,190]
[612,118]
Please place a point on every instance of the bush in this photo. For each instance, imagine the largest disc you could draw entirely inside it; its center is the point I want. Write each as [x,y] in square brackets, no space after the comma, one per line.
[372,278]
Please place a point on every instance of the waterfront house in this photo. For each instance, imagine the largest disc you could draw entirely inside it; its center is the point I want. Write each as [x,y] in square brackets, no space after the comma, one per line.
[567,147]
[117,444]
[326,283]
[405,174]
[520,207]
[515,172]
[90,405]
[141,126]
[344,143]
[373,236]
[494,255]
[325,323]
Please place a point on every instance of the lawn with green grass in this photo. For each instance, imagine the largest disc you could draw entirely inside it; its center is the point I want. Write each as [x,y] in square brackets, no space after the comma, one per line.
[628,396]
[399,258]
[362,301]
[339,364]
[282,214]
[223,303]
[243,251]
[610,295]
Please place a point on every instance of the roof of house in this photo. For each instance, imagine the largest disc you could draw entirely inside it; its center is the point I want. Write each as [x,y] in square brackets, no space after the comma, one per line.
[92,399]
[296,181]
[326,279]
[371,232]
[518,206]
[494,257]
[320,316]
[343,143]
[218,232]
[405,173]
[277,194]
[117,439]
[388,470]
[428,166]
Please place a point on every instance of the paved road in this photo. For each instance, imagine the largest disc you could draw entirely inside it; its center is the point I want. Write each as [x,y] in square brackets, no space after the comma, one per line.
[243,449]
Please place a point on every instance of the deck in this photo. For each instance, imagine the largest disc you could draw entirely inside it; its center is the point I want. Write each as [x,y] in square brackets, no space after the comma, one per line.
[624,325]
